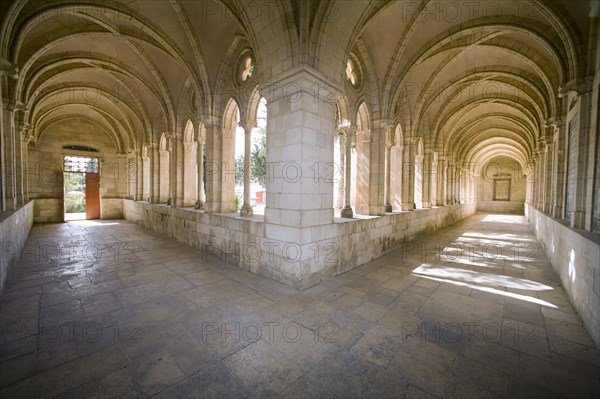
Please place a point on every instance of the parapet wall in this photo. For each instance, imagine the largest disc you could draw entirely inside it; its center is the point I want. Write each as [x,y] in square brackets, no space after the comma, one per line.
[574,255]
[332,249]
[14,230]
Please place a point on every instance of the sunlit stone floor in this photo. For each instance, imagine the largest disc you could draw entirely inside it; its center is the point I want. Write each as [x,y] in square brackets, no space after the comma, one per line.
[472,311]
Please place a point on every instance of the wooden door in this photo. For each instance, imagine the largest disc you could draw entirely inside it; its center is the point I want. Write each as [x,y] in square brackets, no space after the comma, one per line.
[92,195]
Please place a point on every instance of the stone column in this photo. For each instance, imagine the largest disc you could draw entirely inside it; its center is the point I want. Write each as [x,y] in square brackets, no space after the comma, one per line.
[396,176]
[408,180]
[581,217]
[341,186]
[246,207]
[388,169]
[219,176]
[428,180]
[8,158]
[301,116]
[349,134]
[23,181]
[200,172]
[189,169]
[442,187]
[153,153]
[8,198]
[548,180]
[145,175]
[558,141]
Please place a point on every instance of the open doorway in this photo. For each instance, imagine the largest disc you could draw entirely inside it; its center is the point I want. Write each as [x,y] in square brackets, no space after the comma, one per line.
[81,179]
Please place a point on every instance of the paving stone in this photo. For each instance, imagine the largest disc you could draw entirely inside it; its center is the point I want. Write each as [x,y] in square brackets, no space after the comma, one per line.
[172,326]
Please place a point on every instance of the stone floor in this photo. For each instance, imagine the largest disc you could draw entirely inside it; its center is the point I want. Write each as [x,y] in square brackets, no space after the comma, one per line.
[108,309]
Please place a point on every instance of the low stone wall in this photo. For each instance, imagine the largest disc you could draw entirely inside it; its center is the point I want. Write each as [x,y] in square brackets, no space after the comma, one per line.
[14,230]
[501,206]
[331,250]
[111,208]
[48,210]
[575,258]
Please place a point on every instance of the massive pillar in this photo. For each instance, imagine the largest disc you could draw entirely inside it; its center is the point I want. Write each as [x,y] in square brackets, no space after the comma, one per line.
[408,181]
[154,154]
[442,186]
[428,180]
[299,146]
[583,173]
[8,158]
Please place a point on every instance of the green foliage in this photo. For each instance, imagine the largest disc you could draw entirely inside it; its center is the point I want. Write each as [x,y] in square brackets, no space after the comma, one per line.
[239,170]
[75,204]
[258,164]
[236,202]
[74,192]
[258,161]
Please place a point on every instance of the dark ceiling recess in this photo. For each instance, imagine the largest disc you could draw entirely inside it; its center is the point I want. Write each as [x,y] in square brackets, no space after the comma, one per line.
[79,148]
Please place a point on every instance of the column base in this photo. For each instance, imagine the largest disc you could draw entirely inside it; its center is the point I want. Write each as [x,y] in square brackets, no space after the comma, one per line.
[347,212]
[388,208]
[246,210]
[199,205]
[408,206]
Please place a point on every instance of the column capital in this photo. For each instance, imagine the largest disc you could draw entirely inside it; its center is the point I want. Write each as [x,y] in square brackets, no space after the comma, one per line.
[300,81]
[247,126]
[348,130]
[556,121]
[9,69]
[10,104]
[576,86]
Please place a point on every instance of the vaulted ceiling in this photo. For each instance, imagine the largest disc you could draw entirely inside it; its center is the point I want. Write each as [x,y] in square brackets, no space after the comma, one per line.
[474,79]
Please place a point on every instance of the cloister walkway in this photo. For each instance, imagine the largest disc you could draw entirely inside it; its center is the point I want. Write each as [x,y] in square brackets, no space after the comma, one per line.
[109,309]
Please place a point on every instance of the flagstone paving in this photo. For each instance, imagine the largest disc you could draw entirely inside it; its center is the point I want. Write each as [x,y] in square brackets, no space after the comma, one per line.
[109,309]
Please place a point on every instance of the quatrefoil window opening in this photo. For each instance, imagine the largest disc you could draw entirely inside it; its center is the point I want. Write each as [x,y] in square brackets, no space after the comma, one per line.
[247,69]
[351,72]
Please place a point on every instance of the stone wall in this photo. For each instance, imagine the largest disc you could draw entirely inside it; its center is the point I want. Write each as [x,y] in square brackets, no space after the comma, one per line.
[574,256]
[329,249]
[503,168]
[14,230]
[501,206]
[45,169]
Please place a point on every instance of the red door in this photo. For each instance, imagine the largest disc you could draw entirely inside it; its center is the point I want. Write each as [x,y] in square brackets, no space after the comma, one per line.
[92,195]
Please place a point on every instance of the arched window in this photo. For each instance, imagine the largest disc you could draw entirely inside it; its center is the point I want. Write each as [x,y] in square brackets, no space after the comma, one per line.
[233,149]
[190,177]
[164,170]
[419,175]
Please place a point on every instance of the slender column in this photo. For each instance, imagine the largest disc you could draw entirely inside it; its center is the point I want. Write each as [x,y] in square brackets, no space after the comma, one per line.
[388,170]
[342,160]
[23,179]
[200,171]
[349,132]
[246,207]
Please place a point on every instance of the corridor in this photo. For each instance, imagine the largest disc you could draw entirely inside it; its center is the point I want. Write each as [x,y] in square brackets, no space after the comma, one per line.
[109,309]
